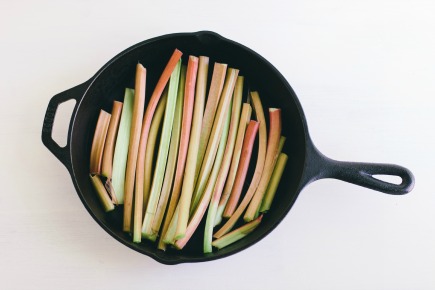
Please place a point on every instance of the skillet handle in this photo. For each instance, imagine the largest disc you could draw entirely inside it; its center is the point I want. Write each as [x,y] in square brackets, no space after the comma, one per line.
[358,173]
[363,174]
[62,153]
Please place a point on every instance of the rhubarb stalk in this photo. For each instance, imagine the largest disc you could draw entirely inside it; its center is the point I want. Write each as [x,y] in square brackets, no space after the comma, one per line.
[242,170]
[216,133]
[162,156]
[192,154]
[244,120]
[140,201]
[214,94]
[150,149]
[121,147]
[272,148]
[109,147]
[262,146]
[138,107]
[242,206]
[149,113]
[205,199]
[98,142]
[189,97]
[172,157]
[102,194]
[226,162]
[274,182]
[237,234]
[169,236]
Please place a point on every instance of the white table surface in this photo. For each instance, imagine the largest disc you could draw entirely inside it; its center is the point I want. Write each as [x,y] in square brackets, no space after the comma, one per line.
[364,73]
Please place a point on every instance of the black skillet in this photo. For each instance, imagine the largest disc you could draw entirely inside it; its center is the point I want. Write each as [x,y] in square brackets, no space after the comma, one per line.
[306,164]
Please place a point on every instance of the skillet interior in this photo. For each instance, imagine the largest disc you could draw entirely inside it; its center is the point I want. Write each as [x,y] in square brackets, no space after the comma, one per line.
[109,84]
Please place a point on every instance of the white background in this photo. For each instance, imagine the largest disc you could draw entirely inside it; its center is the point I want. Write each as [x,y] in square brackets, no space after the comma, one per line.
[364,73]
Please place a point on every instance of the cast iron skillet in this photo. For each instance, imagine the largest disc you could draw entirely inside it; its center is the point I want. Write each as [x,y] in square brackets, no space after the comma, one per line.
[306,164]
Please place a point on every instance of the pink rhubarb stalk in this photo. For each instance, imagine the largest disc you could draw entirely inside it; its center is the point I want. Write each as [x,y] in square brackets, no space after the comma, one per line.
[242,170]
[136,124]
[226,162]
[241,128]
[273,142]
[189,98]
[192,153]
[149,113]
[109,147]
[271,156]
[205,199]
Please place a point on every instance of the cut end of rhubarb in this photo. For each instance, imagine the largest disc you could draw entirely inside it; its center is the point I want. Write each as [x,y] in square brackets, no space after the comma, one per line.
[151,237]
[140,66]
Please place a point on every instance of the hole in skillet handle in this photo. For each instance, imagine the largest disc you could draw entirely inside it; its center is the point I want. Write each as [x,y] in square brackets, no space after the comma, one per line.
[61,122]
[388,178]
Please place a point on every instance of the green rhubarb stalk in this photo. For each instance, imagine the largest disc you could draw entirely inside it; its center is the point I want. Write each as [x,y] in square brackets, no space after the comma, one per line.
[226,162]
[244,120]
[192,154]
[216,132]
[237,234]
[274,182]
[162,155]
[205,199]
[242,206]
[141,200]
[169,237]
[121,146]
[172,157]
[275,160]
[214,94]
[271,155]
[188,102]
[102,194]
[150,149]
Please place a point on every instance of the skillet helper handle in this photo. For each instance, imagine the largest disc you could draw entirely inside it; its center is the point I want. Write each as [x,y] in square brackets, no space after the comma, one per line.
[363,174]
[62,153]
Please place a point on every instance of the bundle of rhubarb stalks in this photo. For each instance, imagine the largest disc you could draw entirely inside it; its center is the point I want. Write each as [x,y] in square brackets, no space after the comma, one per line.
[185,152]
